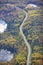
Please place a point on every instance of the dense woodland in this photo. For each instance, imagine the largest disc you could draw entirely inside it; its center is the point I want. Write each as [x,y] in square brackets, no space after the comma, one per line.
[12,39]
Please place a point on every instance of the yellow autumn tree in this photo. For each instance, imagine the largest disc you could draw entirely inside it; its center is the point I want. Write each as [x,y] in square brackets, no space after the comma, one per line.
[21,59]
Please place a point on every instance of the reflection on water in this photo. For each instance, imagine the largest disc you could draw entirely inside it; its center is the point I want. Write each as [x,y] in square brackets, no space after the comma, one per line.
[5,55]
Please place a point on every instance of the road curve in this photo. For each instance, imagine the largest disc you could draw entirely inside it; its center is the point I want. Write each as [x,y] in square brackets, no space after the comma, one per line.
[27,44]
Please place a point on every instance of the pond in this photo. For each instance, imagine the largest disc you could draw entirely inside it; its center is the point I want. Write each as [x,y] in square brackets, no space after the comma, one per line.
[3,26]
[5,55]
[7,52]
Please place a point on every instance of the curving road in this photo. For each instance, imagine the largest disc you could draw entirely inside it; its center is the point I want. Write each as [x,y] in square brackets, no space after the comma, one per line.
[27,44]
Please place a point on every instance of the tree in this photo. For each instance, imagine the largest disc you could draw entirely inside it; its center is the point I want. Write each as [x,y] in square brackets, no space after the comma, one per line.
[36,48]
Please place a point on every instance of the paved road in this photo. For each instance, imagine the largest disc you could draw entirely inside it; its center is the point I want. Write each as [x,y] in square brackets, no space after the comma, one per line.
[27,44]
